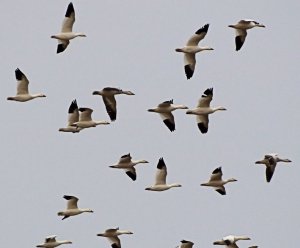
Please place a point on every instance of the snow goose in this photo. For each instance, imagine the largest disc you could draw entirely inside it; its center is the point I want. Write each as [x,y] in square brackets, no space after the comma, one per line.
[85,119]
[112,235]
[241,31]
[203,110]
[217,182]
[230,241]
[160,178]
[72,208]
[51,242]
[270,161]
[66,33]
[73,116]
[191,48]
[186,244]
[164,109]
[127,164]
[22,89]
[108,97]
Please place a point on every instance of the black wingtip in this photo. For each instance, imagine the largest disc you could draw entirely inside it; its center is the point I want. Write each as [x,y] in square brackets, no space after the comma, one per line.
[73,107]
[221,191]
[161,163]
[217,170]
[60,48]
[204,29]
[238,43]
[131,175]
[67,197]
[188,71]
[170,125]
[208,92]
[202,128]
[70,10]
[19,74]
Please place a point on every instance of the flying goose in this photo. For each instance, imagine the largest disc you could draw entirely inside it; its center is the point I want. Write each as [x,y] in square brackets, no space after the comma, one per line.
[165,111]
[51,242]
[203,110]
[127,164]
[241,31]
[191,48]
[186,244]
[160,178]
[22,89]
[72,208]
[108,97]
[73,116]
[66,33]
[270,161]
[112,235]
[230,241]
[85,119]
[217,182]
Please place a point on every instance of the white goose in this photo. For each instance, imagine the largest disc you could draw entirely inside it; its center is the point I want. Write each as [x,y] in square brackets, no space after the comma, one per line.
[85,119]
[51,242]
[160,178]
[108,97]
[230,241]
[186,244]
[217,182]
[165,111]
[241,31]
[22,89]
[270,161]
[72,208]
[66,33]
[127,164]
[112,235]
[190,50]
[73,116]
[203,110]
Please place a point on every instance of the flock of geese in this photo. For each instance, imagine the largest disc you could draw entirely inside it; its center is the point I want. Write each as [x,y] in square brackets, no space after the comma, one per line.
[81,118]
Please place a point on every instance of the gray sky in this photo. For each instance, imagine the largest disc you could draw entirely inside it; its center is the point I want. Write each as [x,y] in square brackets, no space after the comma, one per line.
[131,45]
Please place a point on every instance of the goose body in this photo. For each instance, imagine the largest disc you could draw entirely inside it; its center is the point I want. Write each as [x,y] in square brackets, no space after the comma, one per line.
[230,241]
[112,236]
[241,31]
[186,244]
[72,208]
[108,97]
[85,119]
[217,182]
[191,48]
[160,178]
[51,242]
[73,116]
[165,109]
[66,33]
[203,110]
[126,163]
[22,89]
[270,161]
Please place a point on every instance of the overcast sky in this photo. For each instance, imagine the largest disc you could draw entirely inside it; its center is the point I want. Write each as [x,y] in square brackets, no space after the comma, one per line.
[131,45]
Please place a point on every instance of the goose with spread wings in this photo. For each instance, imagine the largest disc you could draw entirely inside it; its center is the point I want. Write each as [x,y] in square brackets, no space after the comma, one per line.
[270,161]
[73,116]
[72,208]
[51,242]
[108,97]
[241,31]
[230,241]
[66,33]
[160,178]
[191,48]
[165,111]
[22,89]
[203,110]
[217,182]
[112,236]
